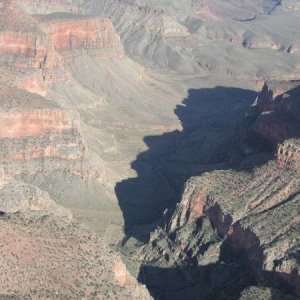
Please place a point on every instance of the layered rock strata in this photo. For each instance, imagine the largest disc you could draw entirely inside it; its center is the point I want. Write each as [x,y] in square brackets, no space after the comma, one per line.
[37,136]
[248,222]
[45,50]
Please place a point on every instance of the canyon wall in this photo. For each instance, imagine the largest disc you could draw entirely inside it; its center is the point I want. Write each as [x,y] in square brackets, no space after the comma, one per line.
[96,35]
[236,228]
[247,222]
[39,135]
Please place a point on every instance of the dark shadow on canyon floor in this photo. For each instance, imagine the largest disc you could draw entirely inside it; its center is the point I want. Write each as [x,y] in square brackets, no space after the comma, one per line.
[213,138]
[211,120]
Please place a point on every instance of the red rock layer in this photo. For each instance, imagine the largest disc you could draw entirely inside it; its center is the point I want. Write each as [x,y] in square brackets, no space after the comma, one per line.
[85,33]
[197,204]
[90,34]
[38,136]
[41,50]
[23,124]
[27,45]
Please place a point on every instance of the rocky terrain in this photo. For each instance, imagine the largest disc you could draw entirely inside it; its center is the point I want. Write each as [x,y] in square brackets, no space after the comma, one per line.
[170,129]
[195,37]
[46,257]
[236,227]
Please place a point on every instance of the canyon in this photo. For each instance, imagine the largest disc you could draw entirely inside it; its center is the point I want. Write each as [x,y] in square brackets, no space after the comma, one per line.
[149,149]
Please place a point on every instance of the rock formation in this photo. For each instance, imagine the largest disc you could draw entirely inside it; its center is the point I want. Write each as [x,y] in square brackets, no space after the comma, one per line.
[276,113]
[36,132]
[38,51]
[235,224]
[216,222]
[21,198]
[288,154]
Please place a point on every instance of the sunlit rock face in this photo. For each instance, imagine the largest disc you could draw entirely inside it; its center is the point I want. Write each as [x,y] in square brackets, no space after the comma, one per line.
[47,48]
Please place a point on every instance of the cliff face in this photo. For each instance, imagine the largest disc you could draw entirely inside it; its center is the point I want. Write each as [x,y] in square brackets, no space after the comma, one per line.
[96,35]
[247,224]
[40,131]
[42,51]
[23,50]
[34,51]
[235,229]
[42,148]
[34,123]
[275,112]
[40,39]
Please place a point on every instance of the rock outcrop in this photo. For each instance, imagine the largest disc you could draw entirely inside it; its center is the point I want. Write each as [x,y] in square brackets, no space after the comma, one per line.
[21,198]
[35,132]
[96,35]
[288,154]
[275,112]
[236,230]
[45,49]
[237,220]
[126,280]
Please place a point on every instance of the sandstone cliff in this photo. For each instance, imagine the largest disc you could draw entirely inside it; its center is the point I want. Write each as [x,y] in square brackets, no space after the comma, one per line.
[36,133]
[47,49]
[40,135]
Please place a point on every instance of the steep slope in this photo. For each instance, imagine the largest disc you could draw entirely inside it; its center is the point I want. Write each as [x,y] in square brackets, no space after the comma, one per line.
[275,113]
[252,230]
[45,158]
[70,100]
[233,229]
